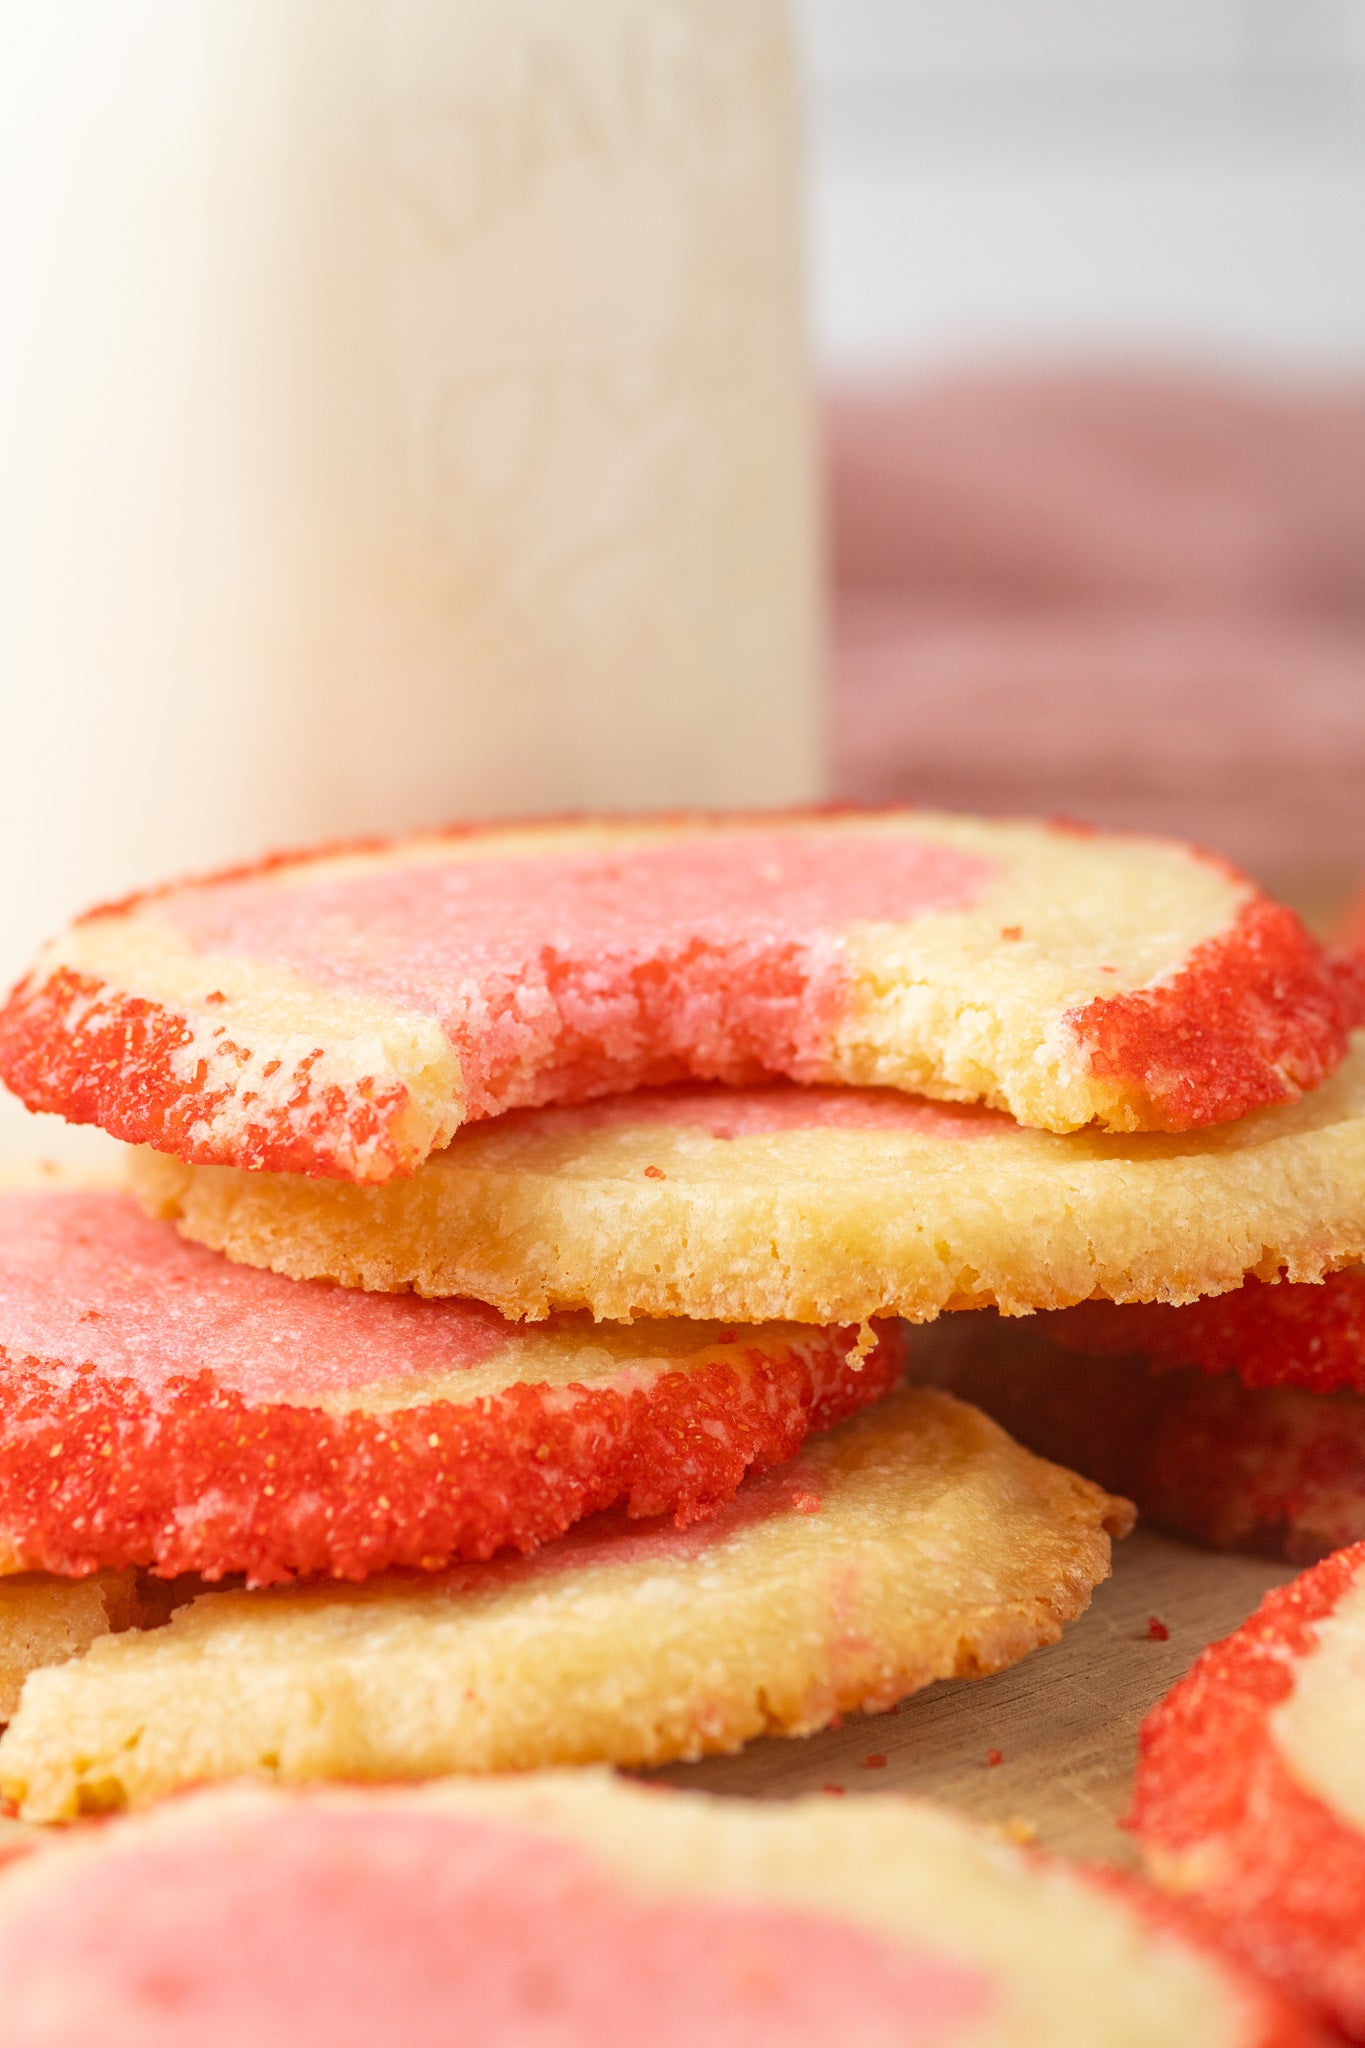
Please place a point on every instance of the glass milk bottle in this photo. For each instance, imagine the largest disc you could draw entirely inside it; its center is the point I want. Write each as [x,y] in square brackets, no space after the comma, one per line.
[403,414]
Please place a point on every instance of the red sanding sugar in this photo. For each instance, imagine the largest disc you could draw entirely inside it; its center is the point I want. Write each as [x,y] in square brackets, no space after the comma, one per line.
[1309,1335]
[162,1407]
[1252,1019]
[595,969]
[555,978]
[95,1474]
[1276,1869]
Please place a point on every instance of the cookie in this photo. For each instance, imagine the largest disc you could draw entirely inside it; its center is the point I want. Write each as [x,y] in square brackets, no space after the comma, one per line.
[823,1204]
[344,1012]
[1285,1336]
[1274,1470]
[566,1908]
[161,1407]
[912,1543]
[45,1620]
[1251,1794]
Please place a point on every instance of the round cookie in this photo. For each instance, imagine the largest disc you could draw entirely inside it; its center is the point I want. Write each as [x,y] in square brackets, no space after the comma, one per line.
[566,1908]
[1274,1470]
[1287,1336]
[912,1543]
[823,1204]
[1250,1792]
[161,1407]
[344,1012]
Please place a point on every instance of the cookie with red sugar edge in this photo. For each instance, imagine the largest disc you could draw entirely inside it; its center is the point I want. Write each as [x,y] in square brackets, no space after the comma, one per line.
[1250,1791]
[1270,1336]
[563,1908]
[1274,1470]
[344,1012]
[161,1407]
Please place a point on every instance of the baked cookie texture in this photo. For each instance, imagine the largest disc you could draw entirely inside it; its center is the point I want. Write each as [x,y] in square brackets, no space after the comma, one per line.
[45,1620]
[1275,1470]
[562,1908]
[161,1407]
[912,1543]
[344,1012]
[1288,1336]
[822,1204]
[1250,1792]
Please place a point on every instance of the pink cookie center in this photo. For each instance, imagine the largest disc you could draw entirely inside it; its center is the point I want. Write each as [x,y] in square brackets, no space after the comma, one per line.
[87,1279]
[614,1539]
[308,1925]
[784,1106]
[560,976]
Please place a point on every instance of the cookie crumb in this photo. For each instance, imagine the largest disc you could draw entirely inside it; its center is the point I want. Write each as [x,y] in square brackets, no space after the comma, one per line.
[994,1757]
[807,1503]
[834,1791]
[874,1763]
[655,1173]
[1157,1631]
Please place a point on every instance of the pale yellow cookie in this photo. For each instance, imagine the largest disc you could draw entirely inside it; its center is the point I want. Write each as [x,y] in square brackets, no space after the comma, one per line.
[555,1910]
[913,1543]
[822,1204]
[344,1012]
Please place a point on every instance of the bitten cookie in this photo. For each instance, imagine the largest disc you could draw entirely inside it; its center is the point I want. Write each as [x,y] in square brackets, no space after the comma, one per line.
[913,1543]
[566,1909]
[1272,1469]
[161,1407]
[344,1012]
[825,1204]
[1251,1787]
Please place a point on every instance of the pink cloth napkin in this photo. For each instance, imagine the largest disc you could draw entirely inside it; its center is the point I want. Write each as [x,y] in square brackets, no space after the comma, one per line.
[1134,598]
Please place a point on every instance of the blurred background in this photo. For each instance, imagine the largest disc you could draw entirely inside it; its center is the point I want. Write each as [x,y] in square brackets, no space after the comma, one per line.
[416,408]
[1090,307]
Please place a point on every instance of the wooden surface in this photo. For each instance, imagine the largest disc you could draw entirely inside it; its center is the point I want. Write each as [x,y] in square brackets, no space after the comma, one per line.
[1065,1721]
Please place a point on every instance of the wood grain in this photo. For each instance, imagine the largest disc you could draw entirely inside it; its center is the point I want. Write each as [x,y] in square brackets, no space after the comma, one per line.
[1064,1721]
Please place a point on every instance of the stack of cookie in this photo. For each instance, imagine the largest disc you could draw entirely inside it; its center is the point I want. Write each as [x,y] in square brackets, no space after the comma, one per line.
[615,1146]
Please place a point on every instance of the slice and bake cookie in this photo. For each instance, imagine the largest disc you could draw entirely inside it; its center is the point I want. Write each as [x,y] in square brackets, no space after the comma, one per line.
[161,1407]
[1288,1336]
[344,1012]
[825,1204]
[1272,1469]
[913,1543]
[567,1909]
[1251,1787]
[1238,1421]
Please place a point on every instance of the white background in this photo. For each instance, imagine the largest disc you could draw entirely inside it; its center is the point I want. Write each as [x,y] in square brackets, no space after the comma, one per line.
[1066,177]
